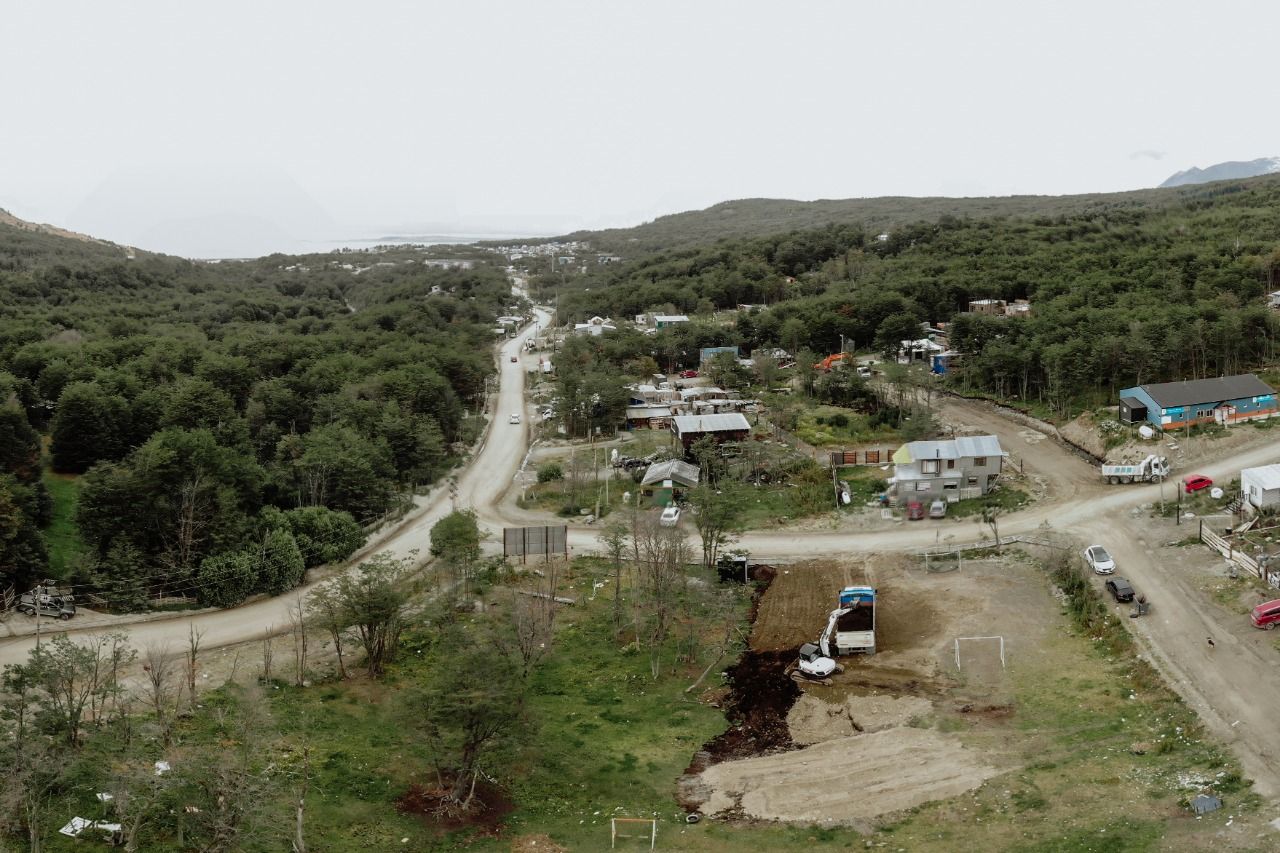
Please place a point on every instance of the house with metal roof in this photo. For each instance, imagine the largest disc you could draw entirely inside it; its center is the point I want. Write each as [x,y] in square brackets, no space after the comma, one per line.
[950,470]
[728,426]
[1261,487]
[1224,400]
[664,482]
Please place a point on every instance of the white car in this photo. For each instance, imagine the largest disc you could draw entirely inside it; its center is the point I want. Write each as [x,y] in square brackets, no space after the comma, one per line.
[670,516]
[1099,560]
[514,419]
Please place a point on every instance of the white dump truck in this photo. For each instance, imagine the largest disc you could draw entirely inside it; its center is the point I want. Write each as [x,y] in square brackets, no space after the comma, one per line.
[1152,468]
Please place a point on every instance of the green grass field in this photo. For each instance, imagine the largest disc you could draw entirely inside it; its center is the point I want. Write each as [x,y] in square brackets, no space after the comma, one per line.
[606,739]
[62,537]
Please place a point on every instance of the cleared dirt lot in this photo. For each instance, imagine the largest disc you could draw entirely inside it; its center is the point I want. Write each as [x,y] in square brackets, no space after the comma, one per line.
[866,745]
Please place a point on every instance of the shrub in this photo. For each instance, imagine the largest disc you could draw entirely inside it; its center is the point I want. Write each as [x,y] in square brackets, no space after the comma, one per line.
[226,580]
[839,420]
[324,535]
[550,472]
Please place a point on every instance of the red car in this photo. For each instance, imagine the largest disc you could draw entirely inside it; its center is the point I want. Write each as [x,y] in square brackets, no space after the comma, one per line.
[1196,482]
[915,511]
[688,374]
[1266,615]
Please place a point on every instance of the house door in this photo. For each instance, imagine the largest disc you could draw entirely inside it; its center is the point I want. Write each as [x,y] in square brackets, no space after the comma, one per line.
[1224,414]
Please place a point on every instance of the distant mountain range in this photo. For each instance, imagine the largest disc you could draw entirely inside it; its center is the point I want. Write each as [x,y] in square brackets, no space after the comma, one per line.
[1230,170]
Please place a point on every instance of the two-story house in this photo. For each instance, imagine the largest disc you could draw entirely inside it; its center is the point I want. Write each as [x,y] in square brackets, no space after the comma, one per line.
[951,470]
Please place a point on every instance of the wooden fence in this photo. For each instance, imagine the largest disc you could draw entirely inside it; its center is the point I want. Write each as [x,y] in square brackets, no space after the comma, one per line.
[1224,547]
[877,456]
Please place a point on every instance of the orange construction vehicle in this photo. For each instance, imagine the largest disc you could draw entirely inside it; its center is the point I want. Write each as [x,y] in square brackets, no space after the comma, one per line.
[830,361]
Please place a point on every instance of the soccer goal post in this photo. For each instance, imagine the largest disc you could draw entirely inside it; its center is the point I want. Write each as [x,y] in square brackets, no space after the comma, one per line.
[623,822]
[960,640]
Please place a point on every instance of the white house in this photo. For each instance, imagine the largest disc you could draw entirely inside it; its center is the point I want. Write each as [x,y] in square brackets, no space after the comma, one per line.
[1261,486]
[950,470]
[594,326]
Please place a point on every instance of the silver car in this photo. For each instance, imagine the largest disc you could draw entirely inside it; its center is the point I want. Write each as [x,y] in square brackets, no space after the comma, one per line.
[1099,560]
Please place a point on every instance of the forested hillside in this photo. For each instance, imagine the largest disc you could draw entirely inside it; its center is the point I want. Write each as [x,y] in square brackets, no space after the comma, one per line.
[229,423]
[762,217]
[1119,296]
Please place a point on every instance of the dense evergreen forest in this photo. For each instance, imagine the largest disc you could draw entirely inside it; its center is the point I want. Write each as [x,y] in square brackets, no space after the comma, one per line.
[231,423]
[1119,295]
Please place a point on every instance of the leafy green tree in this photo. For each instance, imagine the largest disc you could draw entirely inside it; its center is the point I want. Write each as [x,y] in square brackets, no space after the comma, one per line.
[465,712]
[89,425]
[372,598]
[337,467]
[281,564]
[19,443]
[324,536]
[718,516]
[186,495]
[225,580]
[23,558]
[895,329]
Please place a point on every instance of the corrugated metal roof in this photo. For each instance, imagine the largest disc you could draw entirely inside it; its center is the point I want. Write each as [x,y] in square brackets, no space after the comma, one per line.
[965,445]
[725,422]
[1266,476]
[673,469]
[1221,389]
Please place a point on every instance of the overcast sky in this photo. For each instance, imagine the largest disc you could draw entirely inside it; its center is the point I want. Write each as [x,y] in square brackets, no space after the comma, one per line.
[231,128]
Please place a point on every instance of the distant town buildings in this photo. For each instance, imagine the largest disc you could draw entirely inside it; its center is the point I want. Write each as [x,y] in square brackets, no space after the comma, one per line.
[594,326]
[1000,308]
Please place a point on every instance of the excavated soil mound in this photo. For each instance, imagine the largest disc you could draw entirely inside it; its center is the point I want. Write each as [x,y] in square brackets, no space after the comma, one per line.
[814,720]
[760,696]
[844,781]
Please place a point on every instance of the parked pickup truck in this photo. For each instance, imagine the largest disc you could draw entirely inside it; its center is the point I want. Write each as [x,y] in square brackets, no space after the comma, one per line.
[1152,468]
[54,606]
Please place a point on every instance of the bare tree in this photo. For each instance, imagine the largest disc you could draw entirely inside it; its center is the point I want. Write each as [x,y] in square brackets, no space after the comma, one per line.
[325,610]
[664,553]
[300,805]
[138,793]
[73,681]
[192,660]
[614,538]
[531,622]
[158,666]
[268,654]
[991,517]
[298,628]
[31,765]
[231,787]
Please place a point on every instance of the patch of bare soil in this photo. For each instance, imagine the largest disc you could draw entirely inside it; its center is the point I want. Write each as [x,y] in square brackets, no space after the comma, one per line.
[538,843]
[486,812]
[846,780]
[814,719]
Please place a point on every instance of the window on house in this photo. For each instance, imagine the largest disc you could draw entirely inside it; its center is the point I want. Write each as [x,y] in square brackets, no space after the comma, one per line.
[929,466]
[973,481]
[922,487]
[951,463]
[950,486]
[979,460]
